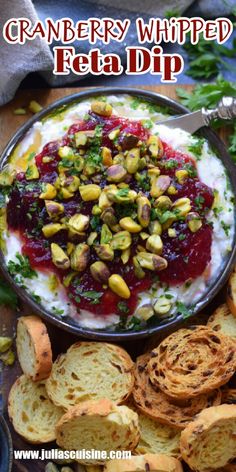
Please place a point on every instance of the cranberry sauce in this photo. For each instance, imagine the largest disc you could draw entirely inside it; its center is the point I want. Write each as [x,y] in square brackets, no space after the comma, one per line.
[188,254]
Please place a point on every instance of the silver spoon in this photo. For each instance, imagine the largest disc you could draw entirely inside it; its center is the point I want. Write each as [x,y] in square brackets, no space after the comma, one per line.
[191,122]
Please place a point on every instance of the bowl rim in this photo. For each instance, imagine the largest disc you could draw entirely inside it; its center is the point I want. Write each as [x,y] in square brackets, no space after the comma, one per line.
[214,288]
[7,454]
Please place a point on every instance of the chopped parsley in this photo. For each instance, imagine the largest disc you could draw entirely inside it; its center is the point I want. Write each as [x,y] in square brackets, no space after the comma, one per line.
[199,201]
[94,222]
[148,124]
[170,164]
[185,311]
[144,181]
[91,295]
[182,236]
[196,147]
[57,311]
[123,307]
[191,169]
[217,211]
[123,192]
[225,227]
[21,267]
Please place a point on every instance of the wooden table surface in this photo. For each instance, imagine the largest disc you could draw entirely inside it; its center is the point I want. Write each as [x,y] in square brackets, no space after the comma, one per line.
[8,125]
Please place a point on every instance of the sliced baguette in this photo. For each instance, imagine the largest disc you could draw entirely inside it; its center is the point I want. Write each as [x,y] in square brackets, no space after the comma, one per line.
[157,438]
[32,413]
[90,371]
[145,463]
[222,320]
[99,425]
[33,347]
[231,293]
[209,442]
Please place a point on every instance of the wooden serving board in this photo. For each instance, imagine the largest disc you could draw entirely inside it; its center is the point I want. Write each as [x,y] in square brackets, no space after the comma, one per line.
[9,123]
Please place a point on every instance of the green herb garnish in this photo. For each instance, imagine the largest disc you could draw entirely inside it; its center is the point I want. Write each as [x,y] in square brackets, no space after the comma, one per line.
[123,307]
[21,267]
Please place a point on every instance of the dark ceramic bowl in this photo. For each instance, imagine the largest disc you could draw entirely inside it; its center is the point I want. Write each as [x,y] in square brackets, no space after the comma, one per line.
[215,142]
[6,451]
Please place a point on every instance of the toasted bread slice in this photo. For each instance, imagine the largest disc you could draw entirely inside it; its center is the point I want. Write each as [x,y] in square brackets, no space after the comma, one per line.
[147,462]
[222,320]
[157,438]
[231,293]
[157,405]
[229,395]
[33,347]
[192,362]
[99,425]
[89,371]
[32,413]
[209,442]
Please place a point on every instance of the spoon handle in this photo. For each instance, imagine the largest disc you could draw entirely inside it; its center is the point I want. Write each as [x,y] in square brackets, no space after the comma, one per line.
[226,110]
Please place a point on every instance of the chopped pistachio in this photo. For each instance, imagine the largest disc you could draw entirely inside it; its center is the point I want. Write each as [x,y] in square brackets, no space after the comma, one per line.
[130,225]
[121,240]
[5,343]
[80,257]
[78,222]
[90,192]
[101,108]
[100,272]
[59,257]
[19,111]
[49,192]
[35,107]
[162,306]
[118,285]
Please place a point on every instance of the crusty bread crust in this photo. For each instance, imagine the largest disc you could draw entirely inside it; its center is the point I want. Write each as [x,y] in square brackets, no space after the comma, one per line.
[231,293]
[31,412]
[209,443]
[33,347]
[89,371]
[147,462]
[99,425]
[157,405]
[191,362]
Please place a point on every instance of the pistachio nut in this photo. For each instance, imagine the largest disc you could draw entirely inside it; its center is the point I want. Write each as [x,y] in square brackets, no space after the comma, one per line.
[138,271]
[68,279]
[130,225]
[78,222]
[104,201]
[163,202]
[145,311]
[101,108]
[172,190]
[100,272]
[144,210]
[70,248]
[155,146]
[151,261]
[119,159]
[172,233]
[125,255]
[182,206]
[144,235]
[122,195]
[104,252]
[64,194]
[51,229]
[92,238]
[59,257]
[5,343]
[162,305]
[54,209]
[194,221]
[96,210]
[114,134]
[80,139]
[116,173]
[108,216]
[106,234]
[106,156]
[118,285]
[159,185]
[71,183]
[49,192]
[155,227]
[7,177]
[154,244]
[32,172]
[132,160]
[90,192]
[153,172]
[181,175]
[66,151]
[121,240]
[80,257]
